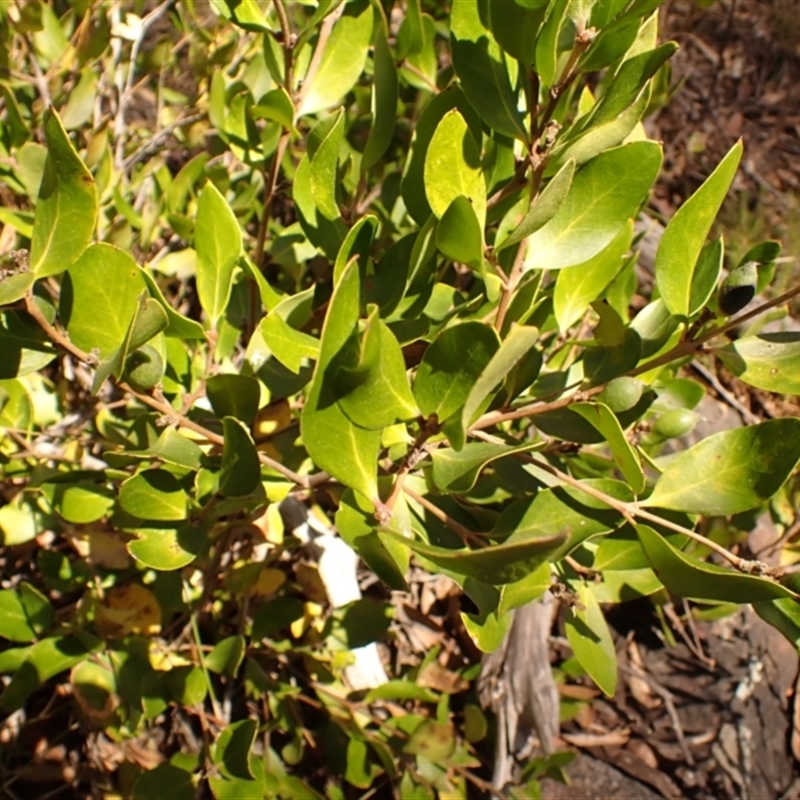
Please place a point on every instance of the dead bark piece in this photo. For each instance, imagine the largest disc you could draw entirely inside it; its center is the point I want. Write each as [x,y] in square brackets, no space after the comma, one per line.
[517,683]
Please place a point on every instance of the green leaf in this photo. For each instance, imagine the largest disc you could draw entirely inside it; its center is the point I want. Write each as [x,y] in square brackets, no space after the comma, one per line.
[413,182]
[345,450]
[232,749]
[165,782]
[241,469]
[233,395]
[563,508]
[497,564]
[15,287]
[44,660]
[457,471]
[387,558]
[513,349]
[321,232]
[384,103]
[590,639]
[325,166]
[169,548]
[39,612]
[24,346]
[79,502]
[358,242]
[277,106]
[628,82]
[66,211]
[14,622]
[453,167]
[342,60]
[689,577]
[769,361]
[375,392]
[226,657]
[172,447]
[686,232]
[577,287]
[625,456]
[782,614]
[153,494]
[544,207]
[482,71]
[218,241]
[432,740]
[99,298]
[451,366]
[459,234]
[178,326]
[515,27]
[731,471]
[706,275]
[605,193]
[289,346]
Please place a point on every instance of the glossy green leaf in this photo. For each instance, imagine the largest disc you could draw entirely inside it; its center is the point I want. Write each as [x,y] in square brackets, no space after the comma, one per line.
[66,211]
[80,502]
[451,366]
[563,508]
[374,393]
[39,612]
[497,564]
[24,346]
[547,43]
[520,593]
[689,577]
[387,558]
[433,740]
[384,103]
[783,614]
[43,661]
[241,469]
[459,234]
[625,456]
[629,80]
[457,471]
[100,297]
[153,494]
[323,233]
[731,471]
[168,548]
[277,106]
[15,622]
[590,639]
[515,26]
[288,345]
[172,447]
[512,350]
[335,444]
[166,782]
[769,361]
[453,167]
[576,287]
[487,630]
[233,395]
[227,656]
[218,242]
[325,167]
[358,242]
[706,275]
[544,207]
[686,232]
[178,325]
[342,60]
[482,70]
[15,287]
[605,193]
[413,182]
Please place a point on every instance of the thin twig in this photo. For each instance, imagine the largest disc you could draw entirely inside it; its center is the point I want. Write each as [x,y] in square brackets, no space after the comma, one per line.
[465,533]
[711,379]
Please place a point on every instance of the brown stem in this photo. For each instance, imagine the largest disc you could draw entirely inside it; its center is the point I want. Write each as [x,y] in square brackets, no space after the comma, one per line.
[511,285]
[465,533]
[288,44]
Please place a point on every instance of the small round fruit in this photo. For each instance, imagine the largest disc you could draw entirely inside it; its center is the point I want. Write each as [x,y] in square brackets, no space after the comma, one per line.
[674,423]
[738,289]
[144,368]
[622,393]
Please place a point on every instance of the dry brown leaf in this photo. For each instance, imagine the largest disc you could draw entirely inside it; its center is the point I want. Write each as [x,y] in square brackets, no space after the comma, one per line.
[129,608]
[610,739]
[434,676]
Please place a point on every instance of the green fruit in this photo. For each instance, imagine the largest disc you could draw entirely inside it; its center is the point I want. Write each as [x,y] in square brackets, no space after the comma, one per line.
[622,394]
[674,423]
[144,368]
[738,289]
